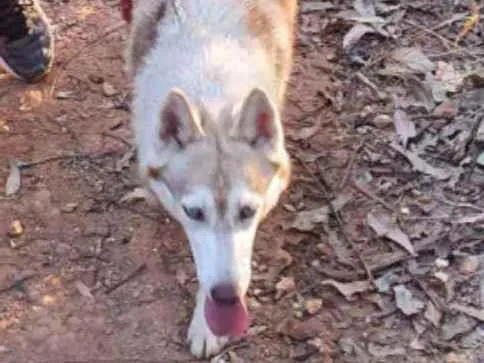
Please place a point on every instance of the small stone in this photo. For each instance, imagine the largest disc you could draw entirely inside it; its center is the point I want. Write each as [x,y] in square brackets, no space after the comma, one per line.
[441,263]
[109,90]
[469,265]
[16,229]
[313,305]
[69,207]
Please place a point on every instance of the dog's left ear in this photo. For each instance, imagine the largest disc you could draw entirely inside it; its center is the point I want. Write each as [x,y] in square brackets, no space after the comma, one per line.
[259,123]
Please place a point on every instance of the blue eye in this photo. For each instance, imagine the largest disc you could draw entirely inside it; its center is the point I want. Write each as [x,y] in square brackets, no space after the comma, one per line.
[246,212]
[194,213]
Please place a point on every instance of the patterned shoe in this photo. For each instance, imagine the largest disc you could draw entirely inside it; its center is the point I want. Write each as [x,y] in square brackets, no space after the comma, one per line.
[26,40]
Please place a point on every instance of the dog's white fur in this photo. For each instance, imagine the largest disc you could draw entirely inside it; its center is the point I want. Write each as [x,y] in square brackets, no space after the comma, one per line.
[203,78]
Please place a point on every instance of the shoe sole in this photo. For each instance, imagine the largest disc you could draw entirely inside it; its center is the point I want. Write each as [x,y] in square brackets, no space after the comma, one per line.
[51,34]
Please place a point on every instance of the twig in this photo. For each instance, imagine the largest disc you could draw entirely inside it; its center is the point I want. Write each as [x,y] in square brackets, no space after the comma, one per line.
[92,43]
[350,166]
[442,199]
[16,283]
[117,137]
[23,165]
[453,19]
[370,195]
[128,278]
[448,44]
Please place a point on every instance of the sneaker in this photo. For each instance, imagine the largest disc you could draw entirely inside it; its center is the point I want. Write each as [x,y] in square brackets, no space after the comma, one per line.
[26,39]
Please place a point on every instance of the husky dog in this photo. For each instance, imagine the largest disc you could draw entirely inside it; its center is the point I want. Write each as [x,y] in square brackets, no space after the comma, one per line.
[209,83]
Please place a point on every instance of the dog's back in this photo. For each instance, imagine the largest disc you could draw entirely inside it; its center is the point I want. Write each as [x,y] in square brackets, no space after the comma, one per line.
[250,38]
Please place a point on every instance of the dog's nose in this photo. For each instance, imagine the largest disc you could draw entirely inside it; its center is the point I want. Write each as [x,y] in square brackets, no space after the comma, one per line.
[225,294]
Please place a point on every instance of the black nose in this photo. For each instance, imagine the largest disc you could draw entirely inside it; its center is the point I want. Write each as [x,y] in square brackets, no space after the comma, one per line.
[225,294]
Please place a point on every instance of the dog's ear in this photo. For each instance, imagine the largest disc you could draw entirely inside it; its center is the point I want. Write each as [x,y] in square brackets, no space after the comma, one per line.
[178,121]
[259,123]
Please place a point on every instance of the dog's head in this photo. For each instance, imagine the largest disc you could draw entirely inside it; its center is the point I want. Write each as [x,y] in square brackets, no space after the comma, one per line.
[219,179]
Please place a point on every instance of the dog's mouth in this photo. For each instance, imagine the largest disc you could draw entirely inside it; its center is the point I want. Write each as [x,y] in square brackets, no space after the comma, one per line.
[227,319]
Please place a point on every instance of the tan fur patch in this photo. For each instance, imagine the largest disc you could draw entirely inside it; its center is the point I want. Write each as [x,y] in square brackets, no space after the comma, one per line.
[264,27]
[143,35]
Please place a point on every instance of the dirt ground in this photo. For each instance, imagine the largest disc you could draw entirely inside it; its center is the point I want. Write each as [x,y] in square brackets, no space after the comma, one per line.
[375,253]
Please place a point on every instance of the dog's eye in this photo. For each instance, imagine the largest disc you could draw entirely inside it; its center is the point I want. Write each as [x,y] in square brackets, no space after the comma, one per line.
[246,212]
[194,213]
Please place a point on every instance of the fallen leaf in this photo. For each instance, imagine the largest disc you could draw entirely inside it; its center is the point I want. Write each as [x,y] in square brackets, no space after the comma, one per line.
[414,59]
[407,304]
[30,100]
[364,7]
[84,290]
[384,227]
[421,165]
[135,195]
[312,306]
[433,314]
[446,80]
[109,90]
[348,289]
[480,159]
[469,265]
[306,220]
[468,310]
[456,325]
[306,132]
[382,351]
[285,284]
[355,34]
[13,181]
[301,330]
[307,7]
[471,219]
[404,127]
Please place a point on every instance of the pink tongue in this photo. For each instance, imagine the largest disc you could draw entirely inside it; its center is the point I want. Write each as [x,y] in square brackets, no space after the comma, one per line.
[226,320]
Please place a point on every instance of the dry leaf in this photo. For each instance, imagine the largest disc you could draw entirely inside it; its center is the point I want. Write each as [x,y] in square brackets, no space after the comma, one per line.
[286,284]
[414,59]
[84,290]
[355,34]
[382,351]
[433,314]
[135,195]
[306,220]
[446,80]
[348,289]
[468,310]
[470,23]
[421,165]
[306,132]
[312,306]
[364,7]
[384,227]
[13,181]
[471,219]
[404,127]
[407,304]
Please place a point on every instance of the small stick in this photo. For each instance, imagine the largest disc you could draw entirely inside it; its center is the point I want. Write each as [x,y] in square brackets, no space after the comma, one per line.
[128,278]
[370,195]
[16,283]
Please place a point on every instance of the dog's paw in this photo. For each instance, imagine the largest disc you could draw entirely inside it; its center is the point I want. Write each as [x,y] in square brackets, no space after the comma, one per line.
[203,343]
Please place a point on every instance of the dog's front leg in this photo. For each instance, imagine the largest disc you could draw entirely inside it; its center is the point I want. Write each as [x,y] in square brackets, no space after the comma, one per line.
[203,343]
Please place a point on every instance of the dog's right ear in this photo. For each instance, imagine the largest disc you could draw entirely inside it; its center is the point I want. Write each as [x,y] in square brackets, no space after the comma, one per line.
[178,121]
